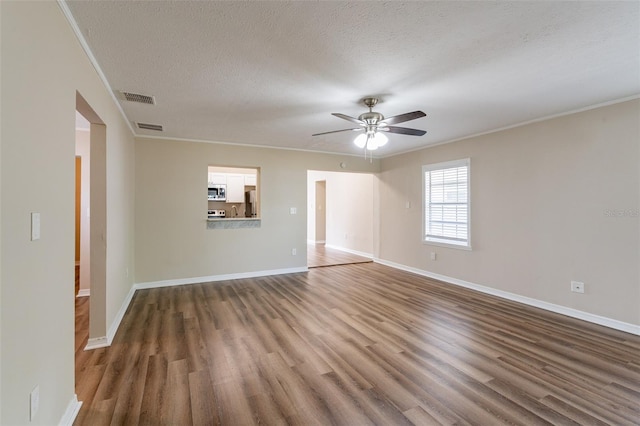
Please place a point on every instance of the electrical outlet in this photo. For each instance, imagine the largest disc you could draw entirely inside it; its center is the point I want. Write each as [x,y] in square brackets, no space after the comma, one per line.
[434,256]
[577,287]
[34,403]
[294,252]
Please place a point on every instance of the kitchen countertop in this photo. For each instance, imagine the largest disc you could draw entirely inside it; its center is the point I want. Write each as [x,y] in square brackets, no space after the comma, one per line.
[233,218]
[233,222]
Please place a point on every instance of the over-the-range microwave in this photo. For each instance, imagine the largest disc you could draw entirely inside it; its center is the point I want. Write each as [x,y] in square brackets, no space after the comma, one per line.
[217,193]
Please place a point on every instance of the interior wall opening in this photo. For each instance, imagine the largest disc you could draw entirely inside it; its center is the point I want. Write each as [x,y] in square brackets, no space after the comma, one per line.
[91,148]
[340,217]
[233,192]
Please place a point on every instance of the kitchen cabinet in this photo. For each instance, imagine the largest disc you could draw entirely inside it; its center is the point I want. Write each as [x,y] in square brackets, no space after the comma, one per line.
[235,188]
[217,179]
[250,180]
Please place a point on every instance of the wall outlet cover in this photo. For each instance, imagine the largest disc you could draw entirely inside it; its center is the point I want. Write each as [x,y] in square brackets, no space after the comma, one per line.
[577,287]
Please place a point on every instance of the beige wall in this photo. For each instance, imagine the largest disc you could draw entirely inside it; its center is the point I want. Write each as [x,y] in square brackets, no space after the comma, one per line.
[172,241]
[43,66]
[349,209]
[540,201]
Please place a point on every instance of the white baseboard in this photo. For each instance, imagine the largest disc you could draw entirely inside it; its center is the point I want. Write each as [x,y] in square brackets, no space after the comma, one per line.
[71,412]
[105,341]
[111,332]
[96,343]
[83,292]
[214,278]
[357,253]
[570,312]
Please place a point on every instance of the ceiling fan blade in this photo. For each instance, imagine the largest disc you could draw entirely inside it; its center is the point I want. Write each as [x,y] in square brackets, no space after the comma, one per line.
[403,117]
[402,130]
[337,131]
[346,117]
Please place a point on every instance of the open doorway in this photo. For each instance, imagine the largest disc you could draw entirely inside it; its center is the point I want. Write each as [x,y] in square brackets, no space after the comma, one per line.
[82,232]
[91,233]
[83,197]
[91,147]
[340,218]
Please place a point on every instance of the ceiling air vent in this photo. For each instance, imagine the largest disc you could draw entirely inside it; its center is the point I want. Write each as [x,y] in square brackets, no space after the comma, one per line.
[148,126]
[137,97]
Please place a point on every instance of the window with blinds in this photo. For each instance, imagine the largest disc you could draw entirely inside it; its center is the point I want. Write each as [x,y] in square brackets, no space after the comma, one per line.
[446,203]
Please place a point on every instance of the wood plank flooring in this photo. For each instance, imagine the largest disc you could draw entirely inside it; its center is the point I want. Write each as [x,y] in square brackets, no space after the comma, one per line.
[354,345]
[318,255]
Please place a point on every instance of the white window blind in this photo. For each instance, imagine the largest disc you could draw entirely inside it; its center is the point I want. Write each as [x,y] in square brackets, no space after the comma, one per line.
[446,202]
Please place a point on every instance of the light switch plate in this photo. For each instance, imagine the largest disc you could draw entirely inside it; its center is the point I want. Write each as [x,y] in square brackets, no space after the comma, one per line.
[34,402]
[35,226]
[293,210]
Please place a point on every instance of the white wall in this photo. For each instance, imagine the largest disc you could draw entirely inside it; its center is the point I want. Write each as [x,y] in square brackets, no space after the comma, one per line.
[350,209]
[172,241]
[541,197]
[43,66]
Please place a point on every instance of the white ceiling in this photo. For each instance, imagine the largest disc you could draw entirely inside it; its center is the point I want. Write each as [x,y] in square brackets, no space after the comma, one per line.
[270,73]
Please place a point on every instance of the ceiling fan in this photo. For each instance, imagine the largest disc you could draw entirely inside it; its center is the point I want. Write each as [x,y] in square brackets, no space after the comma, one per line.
[373,123]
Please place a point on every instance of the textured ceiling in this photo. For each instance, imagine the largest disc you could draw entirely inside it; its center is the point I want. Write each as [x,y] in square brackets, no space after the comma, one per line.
[270,73]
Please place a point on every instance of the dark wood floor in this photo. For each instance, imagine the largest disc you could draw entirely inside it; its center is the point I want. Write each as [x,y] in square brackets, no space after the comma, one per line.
[318,255]
[354,345]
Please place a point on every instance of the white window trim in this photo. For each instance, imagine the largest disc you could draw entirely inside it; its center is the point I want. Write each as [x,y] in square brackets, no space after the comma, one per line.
[443,242]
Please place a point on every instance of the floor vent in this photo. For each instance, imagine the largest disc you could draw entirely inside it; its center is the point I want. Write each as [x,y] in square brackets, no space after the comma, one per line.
[148,126]
[137,97]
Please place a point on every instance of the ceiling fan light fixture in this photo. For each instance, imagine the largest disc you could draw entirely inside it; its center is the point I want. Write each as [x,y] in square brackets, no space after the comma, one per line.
[375,125]
[371,141]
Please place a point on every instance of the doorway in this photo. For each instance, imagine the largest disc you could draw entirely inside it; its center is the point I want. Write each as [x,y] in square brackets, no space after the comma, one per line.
[93,215]
[340,218]
[83,197]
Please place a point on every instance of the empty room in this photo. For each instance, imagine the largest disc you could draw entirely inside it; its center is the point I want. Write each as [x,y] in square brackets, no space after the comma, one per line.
[417,213]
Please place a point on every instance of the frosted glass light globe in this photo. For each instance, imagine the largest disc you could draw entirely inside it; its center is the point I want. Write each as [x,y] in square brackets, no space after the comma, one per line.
[380,139]
[361,140]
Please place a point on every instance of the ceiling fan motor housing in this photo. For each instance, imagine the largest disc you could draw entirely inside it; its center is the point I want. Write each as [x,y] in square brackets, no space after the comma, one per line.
[371,117]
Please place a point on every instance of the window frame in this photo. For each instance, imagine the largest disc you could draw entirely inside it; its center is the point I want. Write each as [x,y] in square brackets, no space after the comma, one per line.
[444,242]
